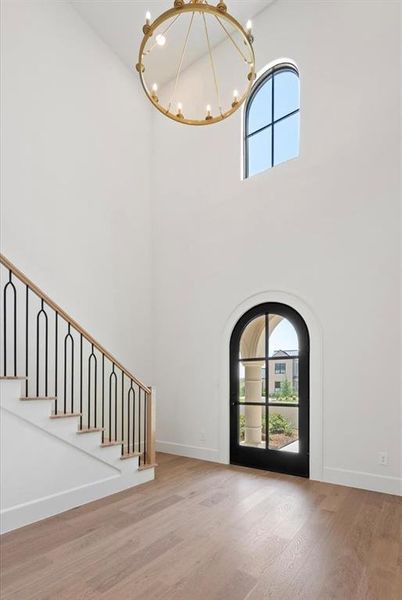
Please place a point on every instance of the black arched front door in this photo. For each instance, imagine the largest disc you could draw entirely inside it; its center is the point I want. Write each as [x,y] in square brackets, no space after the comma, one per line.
[269,390]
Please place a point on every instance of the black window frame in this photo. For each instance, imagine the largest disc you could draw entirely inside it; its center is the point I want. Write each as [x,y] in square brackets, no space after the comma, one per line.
[280,368]
[269,74]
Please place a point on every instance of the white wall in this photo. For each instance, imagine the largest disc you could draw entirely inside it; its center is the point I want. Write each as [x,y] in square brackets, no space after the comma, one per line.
[75,207]
[46,468]
[324,228]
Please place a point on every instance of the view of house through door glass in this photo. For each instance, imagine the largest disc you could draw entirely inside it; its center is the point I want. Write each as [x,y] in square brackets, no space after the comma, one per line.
[269,390]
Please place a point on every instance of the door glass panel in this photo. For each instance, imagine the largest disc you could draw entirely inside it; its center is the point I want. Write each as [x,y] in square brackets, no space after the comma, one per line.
[252,343]
[283,338]
[252,381]
[284,380]
[252,426]
[284,428]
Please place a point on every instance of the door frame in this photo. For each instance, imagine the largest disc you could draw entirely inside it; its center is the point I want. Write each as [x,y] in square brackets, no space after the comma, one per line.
[268,458]
[316,374]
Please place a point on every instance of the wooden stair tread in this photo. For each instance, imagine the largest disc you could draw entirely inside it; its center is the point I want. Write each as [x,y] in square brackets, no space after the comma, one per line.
[65,415]
[146,467]
[25,398]
[111,443]
[131,455]
[91,430]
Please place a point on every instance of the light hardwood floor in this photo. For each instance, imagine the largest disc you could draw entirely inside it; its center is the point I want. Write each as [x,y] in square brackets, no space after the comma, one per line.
[204,531]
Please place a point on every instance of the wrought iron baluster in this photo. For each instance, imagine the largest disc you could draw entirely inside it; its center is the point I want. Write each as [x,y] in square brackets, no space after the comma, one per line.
[68,337]
[115,408]
[145,427]
[81,380]
[91,358]
[26,338]
[113,376]
[129,393]
[139,423]
[103,398]
[56,359]
[122,413]
[133,390]
[11,284]
[40,313]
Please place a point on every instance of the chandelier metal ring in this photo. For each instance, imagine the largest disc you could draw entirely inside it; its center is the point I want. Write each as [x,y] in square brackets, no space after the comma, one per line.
[225,19]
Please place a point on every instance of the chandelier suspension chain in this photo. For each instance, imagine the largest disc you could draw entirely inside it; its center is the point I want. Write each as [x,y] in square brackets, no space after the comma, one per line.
[181,61]
[211,58]
[232,40]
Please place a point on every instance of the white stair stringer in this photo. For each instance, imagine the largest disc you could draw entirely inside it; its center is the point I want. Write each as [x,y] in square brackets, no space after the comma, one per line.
[48,467]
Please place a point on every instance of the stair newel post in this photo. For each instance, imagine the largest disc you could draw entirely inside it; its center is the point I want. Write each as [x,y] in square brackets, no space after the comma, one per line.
[151,427]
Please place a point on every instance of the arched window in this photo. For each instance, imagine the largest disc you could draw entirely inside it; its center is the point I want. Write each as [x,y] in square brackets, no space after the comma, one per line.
[271,133]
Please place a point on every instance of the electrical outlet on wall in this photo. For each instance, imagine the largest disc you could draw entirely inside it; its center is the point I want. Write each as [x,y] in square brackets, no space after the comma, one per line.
[383,458]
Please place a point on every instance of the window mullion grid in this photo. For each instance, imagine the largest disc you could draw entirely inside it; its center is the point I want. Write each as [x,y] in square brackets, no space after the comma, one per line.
[266,382]
[294,112]
[272,119]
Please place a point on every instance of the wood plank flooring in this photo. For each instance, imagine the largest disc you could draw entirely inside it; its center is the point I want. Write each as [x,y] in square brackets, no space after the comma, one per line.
[204,531]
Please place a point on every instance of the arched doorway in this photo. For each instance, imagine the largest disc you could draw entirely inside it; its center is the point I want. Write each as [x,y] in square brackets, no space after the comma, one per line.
[269,390]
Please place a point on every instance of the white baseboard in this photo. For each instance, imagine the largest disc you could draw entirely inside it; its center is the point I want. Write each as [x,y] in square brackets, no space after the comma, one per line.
[42,508]
[357,479]
[364,481]
[199,452]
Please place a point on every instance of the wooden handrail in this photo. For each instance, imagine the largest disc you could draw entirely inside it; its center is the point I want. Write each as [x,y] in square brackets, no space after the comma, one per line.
[22,277]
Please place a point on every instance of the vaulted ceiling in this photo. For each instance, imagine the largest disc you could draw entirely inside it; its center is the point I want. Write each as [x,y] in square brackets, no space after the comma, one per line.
[119,23]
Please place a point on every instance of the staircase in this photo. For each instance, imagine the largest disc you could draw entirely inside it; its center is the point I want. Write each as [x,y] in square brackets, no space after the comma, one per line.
[76,425]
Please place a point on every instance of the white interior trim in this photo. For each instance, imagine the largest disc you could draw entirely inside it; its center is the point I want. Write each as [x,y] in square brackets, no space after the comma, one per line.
[365,481]
[198,452]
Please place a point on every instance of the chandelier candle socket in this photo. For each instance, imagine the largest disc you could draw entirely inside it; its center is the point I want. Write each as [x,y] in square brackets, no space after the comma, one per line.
[154,93]
[147,27]
[235,98]
[180,111]
[216,24]
[249,29]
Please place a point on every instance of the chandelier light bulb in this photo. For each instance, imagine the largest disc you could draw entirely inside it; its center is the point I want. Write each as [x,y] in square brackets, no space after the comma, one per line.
[249,30]
[147,18]
[235,98]
[180,110]
[154,94]
[209,116]
[160,40]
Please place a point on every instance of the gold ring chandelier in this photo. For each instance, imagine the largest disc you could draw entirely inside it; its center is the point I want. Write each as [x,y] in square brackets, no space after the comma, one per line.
[159,33]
